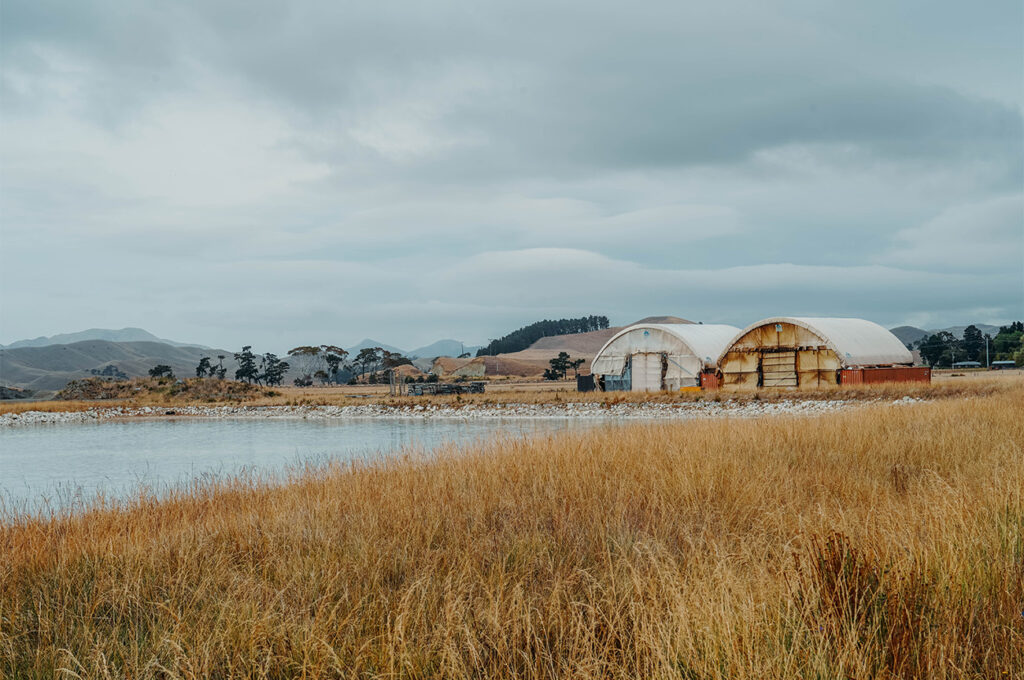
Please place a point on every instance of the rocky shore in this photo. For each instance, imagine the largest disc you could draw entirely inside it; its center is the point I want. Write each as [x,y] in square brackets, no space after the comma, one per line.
[624,411]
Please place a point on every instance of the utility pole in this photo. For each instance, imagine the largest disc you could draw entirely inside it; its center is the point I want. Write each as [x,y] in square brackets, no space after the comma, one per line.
[986,351]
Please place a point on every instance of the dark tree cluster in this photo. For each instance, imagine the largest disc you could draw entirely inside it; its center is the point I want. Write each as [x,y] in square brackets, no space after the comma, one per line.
[943,349]
[110,371]
[161,371]
[314,363]
[524,337]
[260,369]
[206,369]
[560,366]
[370,361]
[321,363]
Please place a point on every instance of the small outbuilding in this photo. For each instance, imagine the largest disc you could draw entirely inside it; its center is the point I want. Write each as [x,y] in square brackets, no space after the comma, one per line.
[654,357]
[804,351]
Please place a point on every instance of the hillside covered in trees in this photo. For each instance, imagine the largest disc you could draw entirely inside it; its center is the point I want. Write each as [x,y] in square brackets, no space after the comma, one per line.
[524,337]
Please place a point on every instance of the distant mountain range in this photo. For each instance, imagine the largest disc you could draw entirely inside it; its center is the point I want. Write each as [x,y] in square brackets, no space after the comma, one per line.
[50,367]
[441,348]
[909,335]
[370,343]
[108,334]
[444,348]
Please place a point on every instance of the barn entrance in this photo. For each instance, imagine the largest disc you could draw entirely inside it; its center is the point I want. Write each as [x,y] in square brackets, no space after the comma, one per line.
[648,372]
[778,369]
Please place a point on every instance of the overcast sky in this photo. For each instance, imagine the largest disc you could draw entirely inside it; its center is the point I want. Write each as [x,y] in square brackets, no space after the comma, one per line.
[283,173]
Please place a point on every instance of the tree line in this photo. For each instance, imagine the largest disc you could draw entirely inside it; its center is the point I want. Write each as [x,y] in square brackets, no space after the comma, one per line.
[560,366]
[943,349]
[527,335]
[324,364]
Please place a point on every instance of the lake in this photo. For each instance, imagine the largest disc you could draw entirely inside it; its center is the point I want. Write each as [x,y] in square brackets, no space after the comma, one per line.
[58,466]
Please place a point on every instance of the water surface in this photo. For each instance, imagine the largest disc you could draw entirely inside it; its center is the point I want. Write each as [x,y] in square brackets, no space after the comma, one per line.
[56,466]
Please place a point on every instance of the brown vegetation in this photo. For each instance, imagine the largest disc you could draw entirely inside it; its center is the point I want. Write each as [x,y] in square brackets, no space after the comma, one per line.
[881,542]
[143,390]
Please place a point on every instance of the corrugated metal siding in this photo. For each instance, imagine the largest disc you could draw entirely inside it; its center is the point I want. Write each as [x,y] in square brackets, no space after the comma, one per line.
[709,380]
[851,376]
[873,376]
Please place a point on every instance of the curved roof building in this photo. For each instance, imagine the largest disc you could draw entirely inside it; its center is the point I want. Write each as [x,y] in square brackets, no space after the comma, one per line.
[653,357]
[792,351]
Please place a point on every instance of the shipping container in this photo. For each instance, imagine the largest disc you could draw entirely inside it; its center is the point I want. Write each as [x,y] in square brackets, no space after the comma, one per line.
[873,376]
[709,380]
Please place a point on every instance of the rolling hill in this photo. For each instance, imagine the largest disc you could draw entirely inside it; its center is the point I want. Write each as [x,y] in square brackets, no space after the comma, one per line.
[369,343]
[50,367]
[443,348]
[908,335]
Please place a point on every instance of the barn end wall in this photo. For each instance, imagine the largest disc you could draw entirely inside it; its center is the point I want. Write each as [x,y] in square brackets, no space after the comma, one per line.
[814,352]
[779,355]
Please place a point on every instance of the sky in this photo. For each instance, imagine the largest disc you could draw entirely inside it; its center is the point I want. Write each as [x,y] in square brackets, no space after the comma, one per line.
[279,174]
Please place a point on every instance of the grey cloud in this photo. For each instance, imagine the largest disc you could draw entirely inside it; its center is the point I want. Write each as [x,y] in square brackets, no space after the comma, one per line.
[215,166]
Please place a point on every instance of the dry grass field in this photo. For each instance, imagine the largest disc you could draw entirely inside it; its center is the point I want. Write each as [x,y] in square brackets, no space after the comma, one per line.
[881,542]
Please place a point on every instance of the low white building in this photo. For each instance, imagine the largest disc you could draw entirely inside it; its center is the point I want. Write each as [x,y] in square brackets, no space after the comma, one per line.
[654,357]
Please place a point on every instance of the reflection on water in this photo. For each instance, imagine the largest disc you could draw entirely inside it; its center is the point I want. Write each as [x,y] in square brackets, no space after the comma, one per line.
[57,465]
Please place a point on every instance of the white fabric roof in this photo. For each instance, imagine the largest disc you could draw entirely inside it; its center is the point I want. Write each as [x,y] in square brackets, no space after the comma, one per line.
[857,342]
[704,341]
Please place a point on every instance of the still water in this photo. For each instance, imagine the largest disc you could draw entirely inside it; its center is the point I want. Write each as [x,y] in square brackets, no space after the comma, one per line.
[56,466]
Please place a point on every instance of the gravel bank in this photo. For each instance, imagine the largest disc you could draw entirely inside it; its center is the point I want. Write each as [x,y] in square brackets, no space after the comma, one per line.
[625,411]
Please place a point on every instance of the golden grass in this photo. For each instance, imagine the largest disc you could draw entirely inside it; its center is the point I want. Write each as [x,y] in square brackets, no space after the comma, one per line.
[886,541]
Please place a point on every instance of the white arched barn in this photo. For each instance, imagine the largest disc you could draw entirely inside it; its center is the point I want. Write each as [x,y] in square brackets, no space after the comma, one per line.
[654,357]
[804,351]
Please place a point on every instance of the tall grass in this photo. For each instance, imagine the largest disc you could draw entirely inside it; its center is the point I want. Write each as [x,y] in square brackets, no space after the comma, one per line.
[882,542]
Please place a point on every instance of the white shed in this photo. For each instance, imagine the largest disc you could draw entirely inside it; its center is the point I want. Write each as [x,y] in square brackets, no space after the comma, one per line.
[654,357]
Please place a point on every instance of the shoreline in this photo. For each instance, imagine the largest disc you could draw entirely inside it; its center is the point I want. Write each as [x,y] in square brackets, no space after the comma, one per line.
[623,411]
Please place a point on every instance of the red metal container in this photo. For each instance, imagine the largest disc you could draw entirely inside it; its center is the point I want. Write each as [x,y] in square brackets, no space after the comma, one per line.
[873,376]
[851,376]
[709,380]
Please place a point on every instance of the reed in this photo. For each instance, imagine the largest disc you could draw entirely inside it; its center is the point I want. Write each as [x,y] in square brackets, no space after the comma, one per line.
[881,542]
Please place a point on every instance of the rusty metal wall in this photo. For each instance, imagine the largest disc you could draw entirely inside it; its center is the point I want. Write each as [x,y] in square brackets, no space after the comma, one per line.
[742,366]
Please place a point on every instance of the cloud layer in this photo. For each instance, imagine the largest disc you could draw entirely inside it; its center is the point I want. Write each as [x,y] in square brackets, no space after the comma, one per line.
[318,172]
